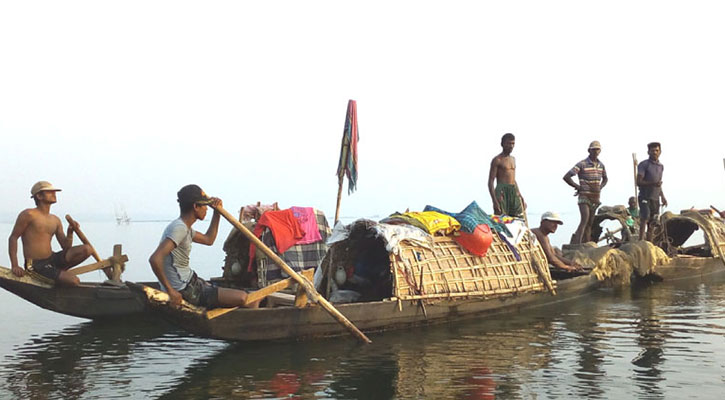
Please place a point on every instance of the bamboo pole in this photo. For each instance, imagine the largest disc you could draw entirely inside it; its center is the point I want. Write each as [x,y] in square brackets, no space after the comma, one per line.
[340,180]
[311,292]
[634,162]
[539,269]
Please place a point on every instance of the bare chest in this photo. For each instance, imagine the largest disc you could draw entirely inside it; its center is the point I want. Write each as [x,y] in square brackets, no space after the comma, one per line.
[42,225]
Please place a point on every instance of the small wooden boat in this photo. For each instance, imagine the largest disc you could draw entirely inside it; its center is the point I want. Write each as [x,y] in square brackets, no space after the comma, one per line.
[92,300]
[704,258]
[421,283]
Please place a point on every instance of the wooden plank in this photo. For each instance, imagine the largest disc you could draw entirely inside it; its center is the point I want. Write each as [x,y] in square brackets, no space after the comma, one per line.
[98,265]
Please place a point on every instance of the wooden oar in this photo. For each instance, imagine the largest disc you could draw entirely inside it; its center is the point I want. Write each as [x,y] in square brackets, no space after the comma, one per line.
[311,292]
[73,224]
[82,236]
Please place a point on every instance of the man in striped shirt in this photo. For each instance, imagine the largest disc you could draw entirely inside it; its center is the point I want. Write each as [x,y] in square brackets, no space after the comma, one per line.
[592,179]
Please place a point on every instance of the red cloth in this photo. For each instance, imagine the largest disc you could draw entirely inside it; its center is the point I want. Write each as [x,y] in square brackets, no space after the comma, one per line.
[285,229]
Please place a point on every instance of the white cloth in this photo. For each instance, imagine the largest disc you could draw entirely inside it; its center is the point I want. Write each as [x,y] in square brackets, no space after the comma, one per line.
[394,234]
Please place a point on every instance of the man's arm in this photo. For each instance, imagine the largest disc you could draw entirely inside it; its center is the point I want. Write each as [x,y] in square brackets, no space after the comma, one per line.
[157,265]
[605,179]
[21,224]
[491,177]
[570,182]
[662,196]
[209,237]
[551,257]
[64,239]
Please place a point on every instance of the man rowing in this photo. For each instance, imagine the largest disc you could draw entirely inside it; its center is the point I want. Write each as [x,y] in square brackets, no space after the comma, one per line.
[549,222]
[36,227]
[170,260]
[592,179]
[506,197]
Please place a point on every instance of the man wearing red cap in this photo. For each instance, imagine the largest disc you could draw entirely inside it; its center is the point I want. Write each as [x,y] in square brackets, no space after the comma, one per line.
[36,227]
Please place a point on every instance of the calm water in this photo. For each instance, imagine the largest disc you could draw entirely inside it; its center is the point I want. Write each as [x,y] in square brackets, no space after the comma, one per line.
[661,341]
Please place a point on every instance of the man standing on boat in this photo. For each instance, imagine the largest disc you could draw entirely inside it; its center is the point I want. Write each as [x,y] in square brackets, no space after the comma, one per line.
[649,181]
[170,260]
[549,222]
[506,197]
[36,227]
[592,179]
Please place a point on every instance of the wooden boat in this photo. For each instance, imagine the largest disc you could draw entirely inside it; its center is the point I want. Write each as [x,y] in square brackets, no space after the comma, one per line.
[92,300]
[702,259]
[671,234]
[430,283]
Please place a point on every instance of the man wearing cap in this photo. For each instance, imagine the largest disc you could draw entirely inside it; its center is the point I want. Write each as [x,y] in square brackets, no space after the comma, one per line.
[506,198]
[649,181]
[170,260]
[36,227]
[549,222]
[592,179]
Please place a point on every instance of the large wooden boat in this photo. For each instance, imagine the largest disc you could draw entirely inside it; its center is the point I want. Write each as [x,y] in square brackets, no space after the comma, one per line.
[421,283]
[704,257]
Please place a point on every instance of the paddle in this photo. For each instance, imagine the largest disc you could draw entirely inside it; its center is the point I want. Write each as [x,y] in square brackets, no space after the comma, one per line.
[74,225]
[311,292]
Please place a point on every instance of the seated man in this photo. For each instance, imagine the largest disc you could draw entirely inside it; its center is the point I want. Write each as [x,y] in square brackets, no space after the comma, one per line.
[36,227]
[170,260]
[633,210]
[549,222]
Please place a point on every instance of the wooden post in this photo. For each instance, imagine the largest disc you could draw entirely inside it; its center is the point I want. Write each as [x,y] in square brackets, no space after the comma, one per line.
[117,268]
[311,292]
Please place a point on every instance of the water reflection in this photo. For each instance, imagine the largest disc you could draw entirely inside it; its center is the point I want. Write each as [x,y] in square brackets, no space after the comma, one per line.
[653,342]
[75,361]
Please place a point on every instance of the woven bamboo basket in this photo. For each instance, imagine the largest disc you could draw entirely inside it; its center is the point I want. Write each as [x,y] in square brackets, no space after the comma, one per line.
[448,271]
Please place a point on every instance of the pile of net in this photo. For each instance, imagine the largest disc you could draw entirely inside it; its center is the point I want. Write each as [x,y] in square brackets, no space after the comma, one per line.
[614,266]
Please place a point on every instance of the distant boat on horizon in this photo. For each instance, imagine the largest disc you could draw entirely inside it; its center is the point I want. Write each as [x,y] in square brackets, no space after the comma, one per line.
[121,216]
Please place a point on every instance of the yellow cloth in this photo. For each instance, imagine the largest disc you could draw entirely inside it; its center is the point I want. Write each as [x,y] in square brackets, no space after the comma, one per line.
[435,222]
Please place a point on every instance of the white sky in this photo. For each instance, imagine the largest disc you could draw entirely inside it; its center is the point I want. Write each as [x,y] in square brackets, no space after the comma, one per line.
[122,103]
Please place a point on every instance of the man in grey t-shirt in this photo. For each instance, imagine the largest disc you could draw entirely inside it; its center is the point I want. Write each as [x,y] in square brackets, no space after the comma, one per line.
[649,181]
[170,260]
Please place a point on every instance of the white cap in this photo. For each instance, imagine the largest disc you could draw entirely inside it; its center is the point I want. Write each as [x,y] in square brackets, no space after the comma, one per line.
[552,216]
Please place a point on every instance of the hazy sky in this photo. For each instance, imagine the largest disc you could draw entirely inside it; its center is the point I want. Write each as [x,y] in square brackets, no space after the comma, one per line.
[122,103]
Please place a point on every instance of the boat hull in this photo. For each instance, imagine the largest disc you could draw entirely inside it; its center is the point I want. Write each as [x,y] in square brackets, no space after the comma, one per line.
[89,300]
[291,323]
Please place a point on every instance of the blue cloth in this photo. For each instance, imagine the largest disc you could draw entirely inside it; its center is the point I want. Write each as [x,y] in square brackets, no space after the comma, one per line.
[472,216]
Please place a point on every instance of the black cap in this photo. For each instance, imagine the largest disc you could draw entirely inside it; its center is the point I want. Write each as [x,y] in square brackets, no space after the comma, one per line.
[192,194]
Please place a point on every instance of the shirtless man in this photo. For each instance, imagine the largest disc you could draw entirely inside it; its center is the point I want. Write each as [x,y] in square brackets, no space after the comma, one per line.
[649,181]
[36,227]
[549,222]
[506,198]
[170,260]
[592,179]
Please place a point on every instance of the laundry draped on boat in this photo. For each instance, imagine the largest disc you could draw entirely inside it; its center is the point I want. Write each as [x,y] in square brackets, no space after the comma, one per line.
[394,234]
[430,221]
[308,222]
[285,229]
[472,216]
[297,257]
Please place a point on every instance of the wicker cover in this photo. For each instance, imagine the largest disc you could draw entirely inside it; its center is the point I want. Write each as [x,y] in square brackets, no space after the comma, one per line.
[449,271]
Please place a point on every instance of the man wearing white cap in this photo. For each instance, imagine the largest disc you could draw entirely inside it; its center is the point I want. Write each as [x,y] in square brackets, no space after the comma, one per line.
[592,179]
[549,222]
[36,227]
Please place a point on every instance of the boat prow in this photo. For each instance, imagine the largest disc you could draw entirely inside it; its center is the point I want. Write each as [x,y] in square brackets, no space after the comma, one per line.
[89,300]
